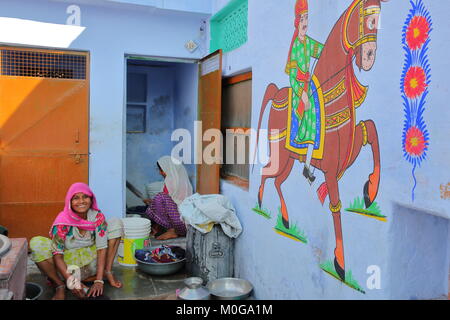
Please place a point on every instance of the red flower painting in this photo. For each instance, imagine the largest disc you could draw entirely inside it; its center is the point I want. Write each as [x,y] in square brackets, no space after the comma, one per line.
[415,143]
[415,82]
[417,32]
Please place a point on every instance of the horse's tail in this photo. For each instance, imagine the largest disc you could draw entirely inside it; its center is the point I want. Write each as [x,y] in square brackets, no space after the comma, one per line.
[271,91]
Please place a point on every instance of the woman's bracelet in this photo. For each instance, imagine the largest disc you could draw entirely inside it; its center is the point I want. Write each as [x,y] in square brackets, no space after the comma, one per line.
[99,281]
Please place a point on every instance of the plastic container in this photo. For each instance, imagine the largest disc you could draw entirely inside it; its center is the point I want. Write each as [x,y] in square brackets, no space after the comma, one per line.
[136,236]
[209,256]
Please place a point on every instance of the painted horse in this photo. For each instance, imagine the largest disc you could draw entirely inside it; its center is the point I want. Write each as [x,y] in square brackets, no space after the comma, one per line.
[339,94]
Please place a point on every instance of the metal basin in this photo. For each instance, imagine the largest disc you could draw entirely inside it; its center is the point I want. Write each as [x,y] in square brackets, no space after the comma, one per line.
[230,289]
[160,269]
[32,291]
[5,245]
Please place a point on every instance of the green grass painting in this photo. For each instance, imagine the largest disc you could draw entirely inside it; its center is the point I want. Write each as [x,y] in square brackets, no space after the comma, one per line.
[262,211]
[293,232]
[374,211]
[328,267]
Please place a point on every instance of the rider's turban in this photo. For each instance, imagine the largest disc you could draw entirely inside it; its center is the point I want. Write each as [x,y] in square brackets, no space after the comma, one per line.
[301,7]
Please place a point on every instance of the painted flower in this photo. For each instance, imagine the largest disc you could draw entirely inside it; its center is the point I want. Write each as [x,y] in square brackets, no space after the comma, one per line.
[417,32]
[415,143]
[102,233]
[415,82]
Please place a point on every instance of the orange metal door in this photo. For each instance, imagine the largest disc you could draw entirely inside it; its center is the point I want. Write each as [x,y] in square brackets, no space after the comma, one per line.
[44,142]
[210,104]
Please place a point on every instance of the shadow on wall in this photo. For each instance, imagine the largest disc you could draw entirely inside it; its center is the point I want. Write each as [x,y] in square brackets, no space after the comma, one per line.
[418,254]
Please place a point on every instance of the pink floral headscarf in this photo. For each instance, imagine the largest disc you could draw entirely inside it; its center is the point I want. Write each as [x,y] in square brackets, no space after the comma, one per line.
[67,217]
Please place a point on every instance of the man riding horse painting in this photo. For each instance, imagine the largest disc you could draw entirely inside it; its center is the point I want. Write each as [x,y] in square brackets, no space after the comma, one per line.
[315,119]
[302,49]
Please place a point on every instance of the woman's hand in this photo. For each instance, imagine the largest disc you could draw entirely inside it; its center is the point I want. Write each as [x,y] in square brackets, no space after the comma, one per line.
[80,293]
[96,290]
[147,201]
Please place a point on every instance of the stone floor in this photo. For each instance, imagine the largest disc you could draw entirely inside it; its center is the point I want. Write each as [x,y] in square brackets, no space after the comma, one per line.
[136,284]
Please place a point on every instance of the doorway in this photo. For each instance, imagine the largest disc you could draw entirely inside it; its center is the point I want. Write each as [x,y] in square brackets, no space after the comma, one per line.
[161,96]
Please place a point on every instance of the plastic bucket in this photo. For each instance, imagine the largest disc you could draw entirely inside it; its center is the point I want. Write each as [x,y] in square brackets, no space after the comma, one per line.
[133,223]
[136,236]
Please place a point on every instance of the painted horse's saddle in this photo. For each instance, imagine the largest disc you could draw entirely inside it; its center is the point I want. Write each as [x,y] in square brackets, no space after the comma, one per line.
[294,124]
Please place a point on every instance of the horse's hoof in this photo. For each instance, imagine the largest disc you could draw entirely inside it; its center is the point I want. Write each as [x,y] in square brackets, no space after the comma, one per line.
[308,175]
[339,270]
[259,196]
[285,223]
[367,200]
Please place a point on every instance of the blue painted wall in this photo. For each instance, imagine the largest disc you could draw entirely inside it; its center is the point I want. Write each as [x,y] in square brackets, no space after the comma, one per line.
[111,32]
[171,104]
[281,268]
[144,149]
[186,102]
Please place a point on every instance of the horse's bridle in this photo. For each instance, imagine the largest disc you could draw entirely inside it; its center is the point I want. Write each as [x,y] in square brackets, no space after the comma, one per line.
[362,36]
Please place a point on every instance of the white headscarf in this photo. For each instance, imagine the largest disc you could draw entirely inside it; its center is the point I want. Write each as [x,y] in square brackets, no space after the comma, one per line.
[177,180]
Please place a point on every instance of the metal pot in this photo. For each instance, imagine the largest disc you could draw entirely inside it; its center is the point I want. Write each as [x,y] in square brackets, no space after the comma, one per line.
[194,290]
[230,289]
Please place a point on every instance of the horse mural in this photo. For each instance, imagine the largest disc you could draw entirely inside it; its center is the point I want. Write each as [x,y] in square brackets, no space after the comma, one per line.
[338,94]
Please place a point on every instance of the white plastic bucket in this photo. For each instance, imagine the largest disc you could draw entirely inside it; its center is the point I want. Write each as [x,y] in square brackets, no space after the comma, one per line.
[136,236]
[136,222]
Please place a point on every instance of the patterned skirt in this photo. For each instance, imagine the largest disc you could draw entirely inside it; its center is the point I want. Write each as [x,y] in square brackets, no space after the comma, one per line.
[164,211]
[83,258]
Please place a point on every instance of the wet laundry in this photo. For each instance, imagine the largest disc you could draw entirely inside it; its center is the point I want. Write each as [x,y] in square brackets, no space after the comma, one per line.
[162,254]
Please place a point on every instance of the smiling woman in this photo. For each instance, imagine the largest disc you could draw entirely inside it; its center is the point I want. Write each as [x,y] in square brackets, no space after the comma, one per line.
[81,240]
[81,203]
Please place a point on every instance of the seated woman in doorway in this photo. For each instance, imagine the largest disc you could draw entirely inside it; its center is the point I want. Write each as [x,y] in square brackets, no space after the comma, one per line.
[163,208]
[80,237]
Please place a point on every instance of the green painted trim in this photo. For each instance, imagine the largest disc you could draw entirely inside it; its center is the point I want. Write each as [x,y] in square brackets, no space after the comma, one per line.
[216,23]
